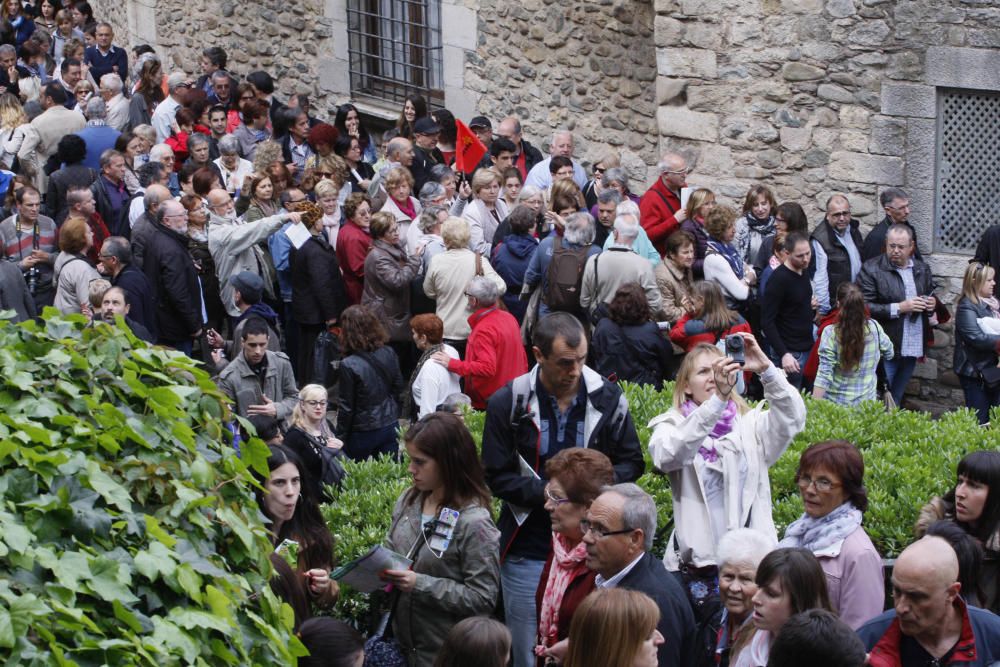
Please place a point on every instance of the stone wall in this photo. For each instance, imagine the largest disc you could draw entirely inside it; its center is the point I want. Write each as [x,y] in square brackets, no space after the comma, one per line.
[587,65]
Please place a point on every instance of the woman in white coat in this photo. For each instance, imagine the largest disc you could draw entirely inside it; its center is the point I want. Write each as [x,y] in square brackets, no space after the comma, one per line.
[485,212]
[717,450]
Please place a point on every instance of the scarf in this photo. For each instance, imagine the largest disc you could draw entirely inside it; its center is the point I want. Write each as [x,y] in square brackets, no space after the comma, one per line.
[567,564]
[728,251]
[823,536]
[762,227]
[268,207]
[722,427]
[409,407]
[406,207]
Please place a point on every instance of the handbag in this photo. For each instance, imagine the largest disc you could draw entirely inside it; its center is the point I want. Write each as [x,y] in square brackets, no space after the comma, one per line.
[990,375]
[326,359]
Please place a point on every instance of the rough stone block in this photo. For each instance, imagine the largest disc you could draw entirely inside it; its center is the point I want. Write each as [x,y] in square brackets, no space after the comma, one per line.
[854,117]
[888,136]
[963,67]
[694,63]
[870,33]
[921,152]
[794,71]
[840,9]
[835,93]
[795,138]
[667,31]
[922,219]
[453,65]
[904,99]
[668,89]
[333,76]
[866,168]
[684,124]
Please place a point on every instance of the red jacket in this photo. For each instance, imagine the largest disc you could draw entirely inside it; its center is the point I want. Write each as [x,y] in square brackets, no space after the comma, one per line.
[580,586]
[688,337]
[353,244]
[494,354]
[657,215]
[812,363]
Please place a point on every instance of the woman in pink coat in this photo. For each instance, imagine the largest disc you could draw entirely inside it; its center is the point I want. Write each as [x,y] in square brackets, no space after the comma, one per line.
[831,481]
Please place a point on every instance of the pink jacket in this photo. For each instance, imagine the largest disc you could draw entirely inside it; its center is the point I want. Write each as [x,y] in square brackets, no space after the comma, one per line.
[854,579]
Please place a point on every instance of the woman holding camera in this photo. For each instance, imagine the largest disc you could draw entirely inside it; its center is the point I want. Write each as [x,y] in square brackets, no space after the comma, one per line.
[717,451]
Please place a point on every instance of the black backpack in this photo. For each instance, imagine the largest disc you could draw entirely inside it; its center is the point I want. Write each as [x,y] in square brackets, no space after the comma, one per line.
[564,277]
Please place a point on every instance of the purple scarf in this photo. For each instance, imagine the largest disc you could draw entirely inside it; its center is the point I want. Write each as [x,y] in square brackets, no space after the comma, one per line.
[722,427]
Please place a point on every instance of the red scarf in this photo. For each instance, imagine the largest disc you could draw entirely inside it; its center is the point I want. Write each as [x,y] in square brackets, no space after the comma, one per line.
[567,564]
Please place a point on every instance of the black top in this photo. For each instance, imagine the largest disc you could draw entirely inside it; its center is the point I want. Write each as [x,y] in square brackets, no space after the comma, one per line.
[786,312]
[676,624]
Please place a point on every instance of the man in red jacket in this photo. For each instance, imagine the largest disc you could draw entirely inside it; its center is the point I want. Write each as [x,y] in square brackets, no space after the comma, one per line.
[660,209]
[494,354]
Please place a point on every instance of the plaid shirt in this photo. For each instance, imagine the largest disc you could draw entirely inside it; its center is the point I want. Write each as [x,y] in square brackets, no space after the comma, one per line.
[855,386]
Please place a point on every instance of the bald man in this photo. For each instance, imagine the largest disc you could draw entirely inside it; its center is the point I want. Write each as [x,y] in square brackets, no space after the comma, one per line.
[660,210]
[930,624]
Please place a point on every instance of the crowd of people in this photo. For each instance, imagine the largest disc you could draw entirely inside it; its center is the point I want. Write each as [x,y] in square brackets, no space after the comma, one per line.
[338,281]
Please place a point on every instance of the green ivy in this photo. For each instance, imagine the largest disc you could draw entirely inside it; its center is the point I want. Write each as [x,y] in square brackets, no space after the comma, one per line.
[129,532]
[909,457]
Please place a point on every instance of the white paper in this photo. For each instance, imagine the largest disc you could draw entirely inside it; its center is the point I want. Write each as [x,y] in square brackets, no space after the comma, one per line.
[521,513]
[363,573]
[298,234]
[685,195]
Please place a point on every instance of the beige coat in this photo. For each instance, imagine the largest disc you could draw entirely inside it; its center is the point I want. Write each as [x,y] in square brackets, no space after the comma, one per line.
[675,284]
[447,277]
[54,124]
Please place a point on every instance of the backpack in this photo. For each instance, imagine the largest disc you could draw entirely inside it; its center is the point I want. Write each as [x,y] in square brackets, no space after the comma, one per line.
[564,277]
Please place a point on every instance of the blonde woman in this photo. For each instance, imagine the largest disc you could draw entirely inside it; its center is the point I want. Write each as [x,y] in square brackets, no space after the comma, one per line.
[614,627]
[310,433]
[975,345]
[699,204]
[485,212]
[13,125]
[717,450]
[400,203]
[609,159]
[327,196]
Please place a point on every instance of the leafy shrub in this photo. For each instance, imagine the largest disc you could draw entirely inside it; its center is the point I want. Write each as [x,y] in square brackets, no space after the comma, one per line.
[909,457]
[129,533]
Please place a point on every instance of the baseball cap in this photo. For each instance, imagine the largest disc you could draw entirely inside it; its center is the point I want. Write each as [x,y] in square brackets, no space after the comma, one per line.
[426,125]
[481,121]
[250,285]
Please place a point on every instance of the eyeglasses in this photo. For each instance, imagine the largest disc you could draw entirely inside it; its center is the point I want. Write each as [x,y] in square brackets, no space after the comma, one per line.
[324,174]
[600,531]
[599,170]
[105,258]
[822,484]
[247,97]
[313,404]
[297,201]
[841,214]
[555,499]
[684,171]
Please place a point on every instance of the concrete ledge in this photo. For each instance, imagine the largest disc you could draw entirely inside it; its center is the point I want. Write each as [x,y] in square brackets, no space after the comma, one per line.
[901,99]
[865,168]
[957,67]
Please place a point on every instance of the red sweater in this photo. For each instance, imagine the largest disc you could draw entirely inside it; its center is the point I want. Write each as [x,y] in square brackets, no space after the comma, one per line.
[656,217]
[353,244]
[689,340]
[494,354]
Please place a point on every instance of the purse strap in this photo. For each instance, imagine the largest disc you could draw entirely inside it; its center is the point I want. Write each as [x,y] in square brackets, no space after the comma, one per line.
[479,263]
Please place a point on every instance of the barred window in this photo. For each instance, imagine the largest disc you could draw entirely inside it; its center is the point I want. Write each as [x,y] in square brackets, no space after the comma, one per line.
[395,49]
[968,192]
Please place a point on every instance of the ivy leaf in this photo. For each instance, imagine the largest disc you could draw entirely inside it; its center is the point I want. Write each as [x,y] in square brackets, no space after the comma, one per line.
[112,492]
[109,580]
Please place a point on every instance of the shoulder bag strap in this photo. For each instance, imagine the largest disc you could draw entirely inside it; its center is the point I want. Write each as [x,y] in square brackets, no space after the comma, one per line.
[667,202]
[379,368]
[479,263]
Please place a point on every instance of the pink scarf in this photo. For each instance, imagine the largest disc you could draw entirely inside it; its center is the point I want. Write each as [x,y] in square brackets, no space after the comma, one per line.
[566,565]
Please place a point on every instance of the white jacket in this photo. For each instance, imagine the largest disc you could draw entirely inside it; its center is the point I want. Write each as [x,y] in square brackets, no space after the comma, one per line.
[761,435]
[232,247]
[482,225]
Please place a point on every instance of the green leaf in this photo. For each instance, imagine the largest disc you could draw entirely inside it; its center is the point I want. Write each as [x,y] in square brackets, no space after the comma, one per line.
[112,492]
[126,616]
[6,629]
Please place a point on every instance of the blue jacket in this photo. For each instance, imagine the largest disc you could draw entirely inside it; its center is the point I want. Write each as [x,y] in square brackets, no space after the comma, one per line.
[510,260]
[978,644]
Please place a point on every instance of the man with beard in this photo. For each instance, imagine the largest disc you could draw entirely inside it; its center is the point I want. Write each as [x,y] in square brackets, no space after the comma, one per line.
[115,302]
[234,245]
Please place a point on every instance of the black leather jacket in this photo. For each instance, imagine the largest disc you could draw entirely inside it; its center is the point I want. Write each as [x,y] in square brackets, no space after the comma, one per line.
[974,348]
[366,403]
[882,286]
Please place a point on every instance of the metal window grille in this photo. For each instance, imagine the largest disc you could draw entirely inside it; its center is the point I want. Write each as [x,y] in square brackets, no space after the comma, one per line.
[395,49]
[968,196]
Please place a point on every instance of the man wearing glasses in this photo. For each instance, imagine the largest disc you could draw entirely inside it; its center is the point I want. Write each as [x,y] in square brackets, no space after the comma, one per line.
[163,117]
[660,210]
[837,246]
[896,204]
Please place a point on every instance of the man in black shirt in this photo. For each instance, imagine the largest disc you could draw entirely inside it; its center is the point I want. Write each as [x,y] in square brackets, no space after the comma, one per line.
[787,309]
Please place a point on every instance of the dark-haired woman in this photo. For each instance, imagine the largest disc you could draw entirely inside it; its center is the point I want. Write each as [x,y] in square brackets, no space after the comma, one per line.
[148,93]
[850,350]
[789,218]
[291,509]
[831,480]
[789,581]
[414,108]
[360,172]
[348,123]
[448,134]
[370,387]
[972,506]
[627,343]
[331,643]
[756,223]
[450,580]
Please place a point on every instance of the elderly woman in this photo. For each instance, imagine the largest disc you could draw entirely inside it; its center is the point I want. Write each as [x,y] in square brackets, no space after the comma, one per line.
[616,178]
[674,276]
[457,193]
[353,242]
[73,272]
[831,480]
[627,343]
[430,383]
[485,211]
[400,203]
[327,196]
[429,224]
[756,223]
[578,235]
[575,477]
[723,263]
[388,273]
[740,551]
[447,277]
[197,234]
[717,450]
[233,169]
[511,257]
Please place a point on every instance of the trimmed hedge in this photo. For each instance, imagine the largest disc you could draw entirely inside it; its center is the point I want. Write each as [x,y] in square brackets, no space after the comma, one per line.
[909,457]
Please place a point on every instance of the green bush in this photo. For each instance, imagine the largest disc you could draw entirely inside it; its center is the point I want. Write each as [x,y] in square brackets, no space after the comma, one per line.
[909,457]
[129,533]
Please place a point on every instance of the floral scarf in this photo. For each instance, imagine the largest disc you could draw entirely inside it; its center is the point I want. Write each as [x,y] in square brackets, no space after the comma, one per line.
[567,565]
[722,427]
[825,535]
[729,252]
